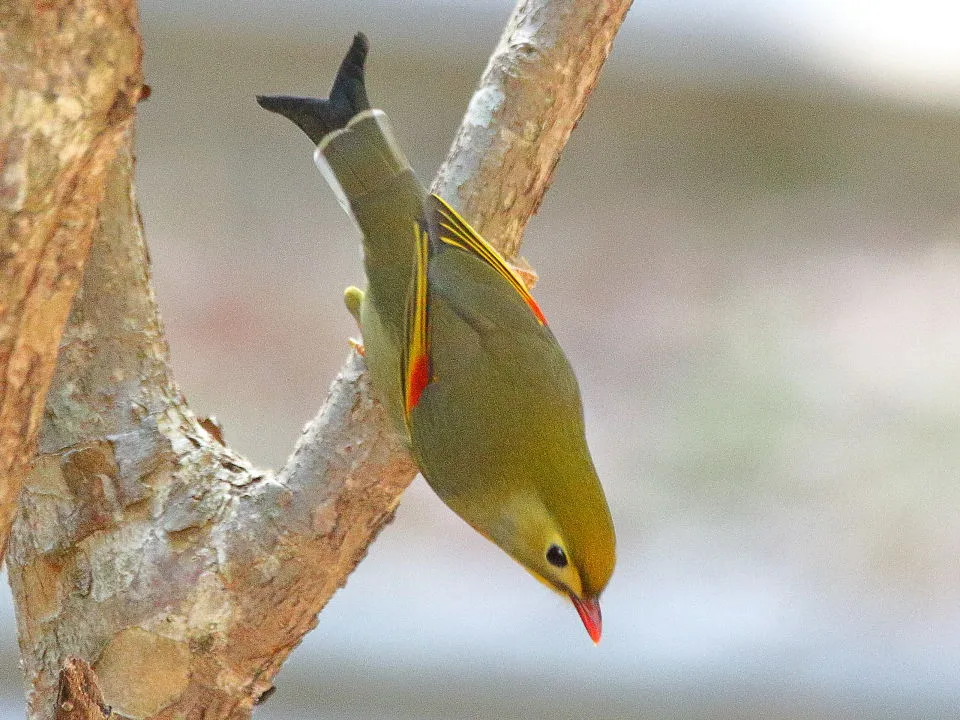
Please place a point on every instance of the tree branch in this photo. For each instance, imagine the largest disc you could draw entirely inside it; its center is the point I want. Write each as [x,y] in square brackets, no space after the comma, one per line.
[167,560]
[69,80]
[530,98]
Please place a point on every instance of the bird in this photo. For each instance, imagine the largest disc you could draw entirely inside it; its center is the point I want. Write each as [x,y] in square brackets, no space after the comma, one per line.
[461,355]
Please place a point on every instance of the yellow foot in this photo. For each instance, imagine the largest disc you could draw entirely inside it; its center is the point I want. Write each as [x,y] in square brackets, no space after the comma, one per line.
[358,346]
[353,299]
[522,268]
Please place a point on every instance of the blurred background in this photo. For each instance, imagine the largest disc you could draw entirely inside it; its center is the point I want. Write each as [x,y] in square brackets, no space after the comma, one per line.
[751,255]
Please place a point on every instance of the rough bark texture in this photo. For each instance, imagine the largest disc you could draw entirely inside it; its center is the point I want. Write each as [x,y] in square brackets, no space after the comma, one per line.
[79,696]
[181,573]
[69,79]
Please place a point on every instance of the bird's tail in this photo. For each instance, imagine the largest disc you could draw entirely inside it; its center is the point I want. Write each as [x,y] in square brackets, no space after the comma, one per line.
[356,149]
[361,160]
[348,97]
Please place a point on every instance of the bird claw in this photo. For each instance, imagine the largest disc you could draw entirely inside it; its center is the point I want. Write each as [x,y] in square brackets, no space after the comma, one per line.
[522,268]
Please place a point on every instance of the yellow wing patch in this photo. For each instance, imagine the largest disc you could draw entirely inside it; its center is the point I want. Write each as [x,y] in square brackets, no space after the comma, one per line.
[456,231]
[416,356]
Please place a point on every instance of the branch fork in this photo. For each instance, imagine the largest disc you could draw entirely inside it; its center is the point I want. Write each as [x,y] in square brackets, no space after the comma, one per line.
[182,574]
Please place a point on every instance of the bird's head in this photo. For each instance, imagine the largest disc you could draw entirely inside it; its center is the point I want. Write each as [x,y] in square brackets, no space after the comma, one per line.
[570,550]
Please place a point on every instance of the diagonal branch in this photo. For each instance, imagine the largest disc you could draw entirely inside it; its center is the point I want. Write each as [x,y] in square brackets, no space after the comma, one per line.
[184,575]
[530,98]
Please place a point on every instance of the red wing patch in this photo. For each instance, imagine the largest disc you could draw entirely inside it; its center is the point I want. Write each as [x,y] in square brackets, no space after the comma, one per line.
[416,356]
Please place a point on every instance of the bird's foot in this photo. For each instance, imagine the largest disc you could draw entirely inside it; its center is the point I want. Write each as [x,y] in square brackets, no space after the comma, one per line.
[353,299]
[522,268]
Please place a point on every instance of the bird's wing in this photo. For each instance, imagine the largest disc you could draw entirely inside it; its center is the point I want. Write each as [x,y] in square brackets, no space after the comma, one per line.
[415,364]
[452,229]
[442,224]
[500,396]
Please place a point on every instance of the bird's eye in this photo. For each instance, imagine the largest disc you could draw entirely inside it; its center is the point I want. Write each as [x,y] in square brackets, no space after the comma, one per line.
[556,556]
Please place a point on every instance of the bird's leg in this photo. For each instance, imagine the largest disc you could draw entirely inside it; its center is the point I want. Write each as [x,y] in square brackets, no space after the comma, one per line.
[353,299]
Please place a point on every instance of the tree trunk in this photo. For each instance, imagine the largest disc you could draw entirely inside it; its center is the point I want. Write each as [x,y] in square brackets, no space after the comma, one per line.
[69,80]
[145,546]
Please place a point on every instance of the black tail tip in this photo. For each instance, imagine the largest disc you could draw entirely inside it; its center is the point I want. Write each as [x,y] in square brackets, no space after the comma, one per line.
[357,54]
[317,118]
[309,114]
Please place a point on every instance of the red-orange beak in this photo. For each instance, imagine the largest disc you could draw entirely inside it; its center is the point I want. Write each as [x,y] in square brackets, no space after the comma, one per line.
[589,609]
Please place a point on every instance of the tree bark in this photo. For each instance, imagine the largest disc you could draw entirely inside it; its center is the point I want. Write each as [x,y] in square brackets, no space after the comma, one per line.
[69,80]
[79,696]
[179,571]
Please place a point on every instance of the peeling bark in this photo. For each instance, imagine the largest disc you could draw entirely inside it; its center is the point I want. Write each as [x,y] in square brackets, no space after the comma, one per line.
[183,574]
[79,696]
[70,77]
